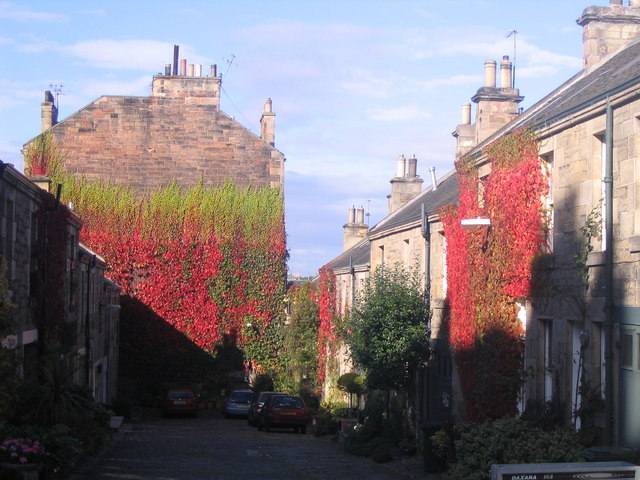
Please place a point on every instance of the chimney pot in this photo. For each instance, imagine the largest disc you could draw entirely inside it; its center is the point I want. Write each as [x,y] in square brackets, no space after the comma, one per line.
[361,216]
[490,73]
[413,166]
[505,72]
[214,70]
[176,49]
[190,70]
[198,70]
[434,182]
[183,67]
[268,106]
[167,69]
[352,215]
[400,166]
[466,114]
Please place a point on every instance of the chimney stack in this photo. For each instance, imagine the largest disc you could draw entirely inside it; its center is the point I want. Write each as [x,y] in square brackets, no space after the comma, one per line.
[268,124]
[48,112]
[354,231]
[465,133]
[404,187]
[495,106]
[606,30]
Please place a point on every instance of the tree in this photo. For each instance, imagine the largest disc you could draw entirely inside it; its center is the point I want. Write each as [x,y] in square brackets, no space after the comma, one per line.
[389,332]
[301,334]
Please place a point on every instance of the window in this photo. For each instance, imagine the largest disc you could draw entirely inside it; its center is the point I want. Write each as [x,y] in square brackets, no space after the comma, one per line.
[406,252]
[547,340]
[547,165]
[627,350]
[381,252]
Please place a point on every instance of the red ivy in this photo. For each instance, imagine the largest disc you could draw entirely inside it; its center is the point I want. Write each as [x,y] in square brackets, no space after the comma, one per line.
[203,286]
[327,312]
[489,270]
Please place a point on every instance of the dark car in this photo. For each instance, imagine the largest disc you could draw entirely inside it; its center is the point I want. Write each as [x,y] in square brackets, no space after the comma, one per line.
[180,401]
[284,411]
[237,403]
[256,406]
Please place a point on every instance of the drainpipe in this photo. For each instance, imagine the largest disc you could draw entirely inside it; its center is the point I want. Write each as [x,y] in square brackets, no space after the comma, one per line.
[425,229]
[609,306]
[352,272]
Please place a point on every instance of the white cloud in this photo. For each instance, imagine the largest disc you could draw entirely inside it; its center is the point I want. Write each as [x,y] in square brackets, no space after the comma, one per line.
[398,114]
[11,11]
[149,55]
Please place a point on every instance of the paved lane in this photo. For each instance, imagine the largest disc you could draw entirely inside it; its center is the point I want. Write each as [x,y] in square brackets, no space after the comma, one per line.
[213,448]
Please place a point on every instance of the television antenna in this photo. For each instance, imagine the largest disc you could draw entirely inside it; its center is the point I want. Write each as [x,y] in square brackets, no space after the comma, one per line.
[57,90]
[513,33]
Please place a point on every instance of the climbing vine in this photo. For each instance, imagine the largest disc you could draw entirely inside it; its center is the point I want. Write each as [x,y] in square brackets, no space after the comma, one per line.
[327,312]
[208,261]
[489,270]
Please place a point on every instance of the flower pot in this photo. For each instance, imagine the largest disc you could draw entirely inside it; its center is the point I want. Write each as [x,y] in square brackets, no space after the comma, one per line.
[115,422]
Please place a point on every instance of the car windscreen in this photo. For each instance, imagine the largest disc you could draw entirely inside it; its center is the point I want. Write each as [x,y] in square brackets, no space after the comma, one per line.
[241,397]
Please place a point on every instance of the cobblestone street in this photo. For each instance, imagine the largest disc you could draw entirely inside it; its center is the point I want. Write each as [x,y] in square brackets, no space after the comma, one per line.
[213,448]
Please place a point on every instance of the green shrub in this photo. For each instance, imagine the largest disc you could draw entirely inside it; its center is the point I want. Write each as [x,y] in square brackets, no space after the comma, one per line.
[328,417]
[478,446]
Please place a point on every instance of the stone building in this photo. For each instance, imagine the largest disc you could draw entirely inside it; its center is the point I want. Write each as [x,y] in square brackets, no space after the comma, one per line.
[60,295]
[411,235]
[582,345]
[178,133]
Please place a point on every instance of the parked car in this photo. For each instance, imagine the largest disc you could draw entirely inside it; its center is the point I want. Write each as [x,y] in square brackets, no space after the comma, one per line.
[237,403]
[180,401]
[284,411]
[256,406]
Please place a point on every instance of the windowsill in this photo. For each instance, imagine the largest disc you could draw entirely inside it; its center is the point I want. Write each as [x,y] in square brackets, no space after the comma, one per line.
[596,259]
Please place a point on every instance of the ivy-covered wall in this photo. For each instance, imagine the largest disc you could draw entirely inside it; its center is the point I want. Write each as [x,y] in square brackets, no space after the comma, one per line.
[489,270]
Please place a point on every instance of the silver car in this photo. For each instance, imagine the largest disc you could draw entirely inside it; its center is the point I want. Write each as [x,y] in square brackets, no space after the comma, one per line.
[237,403]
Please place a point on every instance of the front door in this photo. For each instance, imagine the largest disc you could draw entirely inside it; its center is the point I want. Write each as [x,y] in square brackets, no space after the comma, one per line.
[629,420]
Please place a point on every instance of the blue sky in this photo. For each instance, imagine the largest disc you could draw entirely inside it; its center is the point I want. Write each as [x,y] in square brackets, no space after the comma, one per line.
[354,83]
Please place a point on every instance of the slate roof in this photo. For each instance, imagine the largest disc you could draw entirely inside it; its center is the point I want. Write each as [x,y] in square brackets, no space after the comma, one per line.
[360,255]
[445,193]
[615,75]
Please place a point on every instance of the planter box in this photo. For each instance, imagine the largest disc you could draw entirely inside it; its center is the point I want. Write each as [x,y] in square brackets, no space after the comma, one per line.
[26,471]
[115,422]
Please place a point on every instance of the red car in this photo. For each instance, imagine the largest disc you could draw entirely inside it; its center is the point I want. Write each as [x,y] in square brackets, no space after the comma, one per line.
[284,411]
[181,401]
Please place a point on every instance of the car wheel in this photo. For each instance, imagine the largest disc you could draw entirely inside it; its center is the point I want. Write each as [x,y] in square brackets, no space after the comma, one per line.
[303,429]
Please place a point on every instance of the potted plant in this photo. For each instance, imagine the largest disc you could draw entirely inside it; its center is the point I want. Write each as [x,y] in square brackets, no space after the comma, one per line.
[23,455]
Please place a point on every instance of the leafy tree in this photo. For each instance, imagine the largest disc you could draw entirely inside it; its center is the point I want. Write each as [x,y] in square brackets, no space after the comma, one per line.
[301,335]
[389,327]
[353,384]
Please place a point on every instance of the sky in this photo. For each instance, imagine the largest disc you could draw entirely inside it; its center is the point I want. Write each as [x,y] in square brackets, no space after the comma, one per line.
[354,83]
